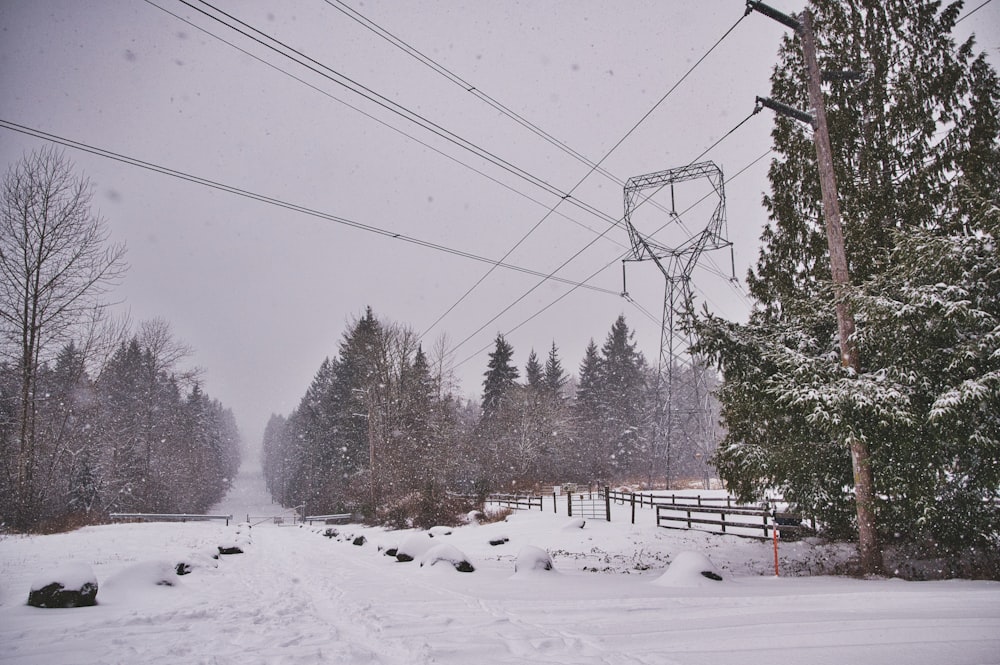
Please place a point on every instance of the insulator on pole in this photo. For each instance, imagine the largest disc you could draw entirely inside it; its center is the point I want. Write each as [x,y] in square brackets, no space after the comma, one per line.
[773,13]
[785,109]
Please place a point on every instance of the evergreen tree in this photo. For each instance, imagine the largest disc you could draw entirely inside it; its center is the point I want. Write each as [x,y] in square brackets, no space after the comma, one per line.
[501,376]
[555,377]
[533,371]
[923,119]
[588,419]
[622,390]
[498,426]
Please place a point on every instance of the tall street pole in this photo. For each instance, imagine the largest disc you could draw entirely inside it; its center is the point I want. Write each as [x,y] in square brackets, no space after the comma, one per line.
[864,493]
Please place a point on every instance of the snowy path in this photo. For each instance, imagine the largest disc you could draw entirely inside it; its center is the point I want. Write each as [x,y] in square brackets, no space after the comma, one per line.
[296,597]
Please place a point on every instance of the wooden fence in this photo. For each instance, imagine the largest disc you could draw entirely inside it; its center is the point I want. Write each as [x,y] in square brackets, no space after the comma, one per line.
[516,501]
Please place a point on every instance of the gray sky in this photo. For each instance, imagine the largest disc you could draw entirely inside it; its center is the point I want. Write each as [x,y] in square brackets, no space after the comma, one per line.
[263,293]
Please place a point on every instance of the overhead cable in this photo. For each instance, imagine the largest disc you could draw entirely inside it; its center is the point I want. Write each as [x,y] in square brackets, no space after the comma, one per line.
[593,166]
[593,241]
[181,175]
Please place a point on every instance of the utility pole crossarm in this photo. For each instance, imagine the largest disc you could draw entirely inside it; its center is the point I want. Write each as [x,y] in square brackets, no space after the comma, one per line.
[772,13]
[785,109]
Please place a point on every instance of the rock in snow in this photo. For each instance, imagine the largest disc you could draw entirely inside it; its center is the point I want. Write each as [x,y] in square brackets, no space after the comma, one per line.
[532,559]
[71,585]
[448,554]
[414,546]
[690,569]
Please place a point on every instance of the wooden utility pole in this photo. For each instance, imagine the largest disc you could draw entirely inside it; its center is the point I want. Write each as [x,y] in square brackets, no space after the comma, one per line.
[864,486]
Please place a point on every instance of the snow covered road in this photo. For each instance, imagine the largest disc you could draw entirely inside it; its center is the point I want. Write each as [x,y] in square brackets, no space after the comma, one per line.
[298,597]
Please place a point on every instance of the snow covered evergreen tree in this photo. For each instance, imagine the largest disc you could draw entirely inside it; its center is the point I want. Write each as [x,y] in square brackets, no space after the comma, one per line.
[921,122]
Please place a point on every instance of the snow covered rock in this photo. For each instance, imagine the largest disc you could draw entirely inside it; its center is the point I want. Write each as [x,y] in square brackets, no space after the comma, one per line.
[145,574]
[414,546]
[359,541]
[447,554]
[690,569]
[499,540]
[532,559]
[575,523]
[71,585]
[437,531]
[236,544]
[195,560]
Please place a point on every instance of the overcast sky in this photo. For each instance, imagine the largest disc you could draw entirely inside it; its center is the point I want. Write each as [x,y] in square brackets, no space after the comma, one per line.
[264,293]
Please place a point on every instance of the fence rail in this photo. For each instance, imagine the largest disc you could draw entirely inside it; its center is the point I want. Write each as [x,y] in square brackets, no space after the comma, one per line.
[168,517]
[337,518]
[737,520]
[516,501]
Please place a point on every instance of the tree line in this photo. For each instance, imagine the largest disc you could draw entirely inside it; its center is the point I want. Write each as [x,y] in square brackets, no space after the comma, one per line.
[381,431]
[94,418]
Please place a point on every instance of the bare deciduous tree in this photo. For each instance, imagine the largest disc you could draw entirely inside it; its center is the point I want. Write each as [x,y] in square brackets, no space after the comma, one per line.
[55,266]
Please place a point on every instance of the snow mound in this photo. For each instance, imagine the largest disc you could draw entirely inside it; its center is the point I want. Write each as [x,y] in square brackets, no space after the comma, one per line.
[141,583]
[532,560]
[414,546]
[445,553]
[575,523]
[71,575]
[437,531]
[690,569]
[195,560]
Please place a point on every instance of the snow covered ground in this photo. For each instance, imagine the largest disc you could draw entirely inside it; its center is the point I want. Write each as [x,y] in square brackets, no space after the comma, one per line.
[296,596]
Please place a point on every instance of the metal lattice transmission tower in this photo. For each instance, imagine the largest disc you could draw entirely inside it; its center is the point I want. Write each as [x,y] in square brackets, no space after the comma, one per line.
[683,421]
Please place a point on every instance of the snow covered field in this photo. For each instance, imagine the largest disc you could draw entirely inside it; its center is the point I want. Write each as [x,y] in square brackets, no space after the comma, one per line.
[296,596]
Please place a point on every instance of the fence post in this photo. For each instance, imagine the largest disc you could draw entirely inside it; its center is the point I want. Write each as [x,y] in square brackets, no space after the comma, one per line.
[689,518]
[723,516]
[633,507]
[569,504]
[607,502]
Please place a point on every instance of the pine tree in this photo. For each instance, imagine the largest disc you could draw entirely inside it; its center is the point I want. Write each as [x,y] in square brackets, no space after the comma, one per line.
[588,419]
[501,376]
[622,390]
[555,377]
[533,371]
[923,119]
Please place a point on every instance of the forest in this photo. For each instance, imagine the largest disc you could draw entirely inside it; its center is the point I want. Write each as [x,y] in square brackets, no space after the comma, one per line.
[380,430]
[95,416]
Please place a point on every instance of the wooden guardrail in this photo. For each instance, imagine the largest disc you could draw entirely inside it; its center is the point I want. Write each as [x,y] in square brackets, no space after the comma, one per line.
[168,517]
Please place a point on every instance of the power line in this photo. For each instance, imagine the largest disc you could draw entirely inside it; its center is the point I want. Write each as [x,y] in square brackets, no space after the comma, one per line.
[390,105]
[404,112]
[973,11]
[368,115]
[595,273]
[470,88]
[592,242]
[593,167]
[182,175]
